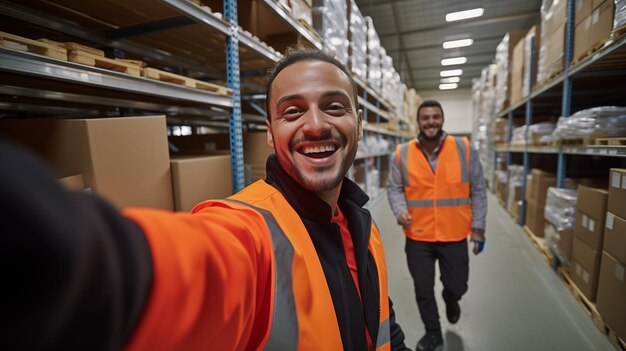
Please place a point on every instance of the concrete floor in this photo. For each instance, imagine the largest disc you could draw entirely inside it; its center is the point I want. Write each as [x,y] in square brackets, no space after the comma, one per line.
[515,301]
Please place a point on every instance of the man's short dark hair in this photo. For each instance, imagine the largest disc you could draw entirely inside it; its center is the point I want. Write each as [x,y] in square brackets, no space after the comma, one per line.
[429,103]
[297,54]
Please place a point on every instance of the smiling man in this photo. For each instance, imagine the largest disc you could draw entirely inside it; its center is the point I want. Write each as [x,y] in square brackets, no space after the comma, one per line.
[437,192]
[292,262]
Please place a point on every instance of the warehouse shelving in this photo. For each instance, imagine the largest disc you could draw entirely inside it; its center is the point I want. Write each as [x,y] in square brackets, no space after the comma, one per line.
[599,79]
[173,35]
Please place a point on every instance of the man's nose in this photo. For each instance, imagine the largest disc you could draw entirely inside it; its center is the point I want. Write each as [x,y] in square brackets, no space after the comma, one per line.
[316,122]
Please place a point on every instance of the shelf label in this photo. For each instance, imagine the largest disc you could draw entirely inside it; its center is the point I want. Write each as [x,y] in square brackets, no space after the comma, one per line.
[585,276]
[615,180]
[579,269]
[603,151]
[613,152]
[624,181]
[609,220]
[585,221]
[592,225]
[619,272]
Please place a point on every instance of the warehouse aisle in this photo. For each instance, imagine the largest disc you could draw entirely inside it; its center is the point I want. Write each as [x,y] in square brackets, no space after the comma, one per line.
[515,301]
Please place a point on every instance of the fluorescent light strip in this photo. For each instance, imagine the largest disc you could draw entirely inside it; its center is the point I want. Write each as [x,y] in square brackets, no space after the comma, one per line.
[451,73]
[457,43]
[451,80]
[448,86]
[461,15]
[453,61]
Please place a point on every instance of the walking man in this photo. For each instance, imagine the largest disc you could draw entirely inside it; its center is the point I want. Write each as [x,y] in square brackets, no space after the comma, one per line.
[438,194]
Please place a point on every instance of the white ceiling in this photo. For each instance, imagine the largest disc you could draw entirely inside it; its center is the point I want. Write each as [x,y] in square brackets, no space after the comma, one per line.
[412,32]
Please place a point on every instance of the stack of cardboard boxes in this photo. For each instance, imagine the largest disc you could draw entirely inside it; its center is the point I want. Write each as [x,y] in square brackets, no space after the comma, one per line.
[594,22]
[521,68]
[611,299]
[588,239]
[126,159]
[537,184]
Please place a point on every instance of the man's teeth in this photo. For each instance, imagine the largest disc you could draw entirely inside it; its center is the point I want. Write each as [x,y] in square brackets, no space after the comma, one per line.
[318,149]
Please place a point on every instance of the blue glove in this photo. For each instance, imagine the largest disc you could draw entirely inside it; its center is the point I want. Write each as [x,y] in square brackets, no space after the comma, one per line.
[479,245]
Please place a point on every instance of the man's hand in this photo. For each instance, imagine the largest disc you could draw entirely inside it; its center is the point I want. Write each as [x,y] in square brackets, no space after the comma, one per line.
[405,220]
[478,238]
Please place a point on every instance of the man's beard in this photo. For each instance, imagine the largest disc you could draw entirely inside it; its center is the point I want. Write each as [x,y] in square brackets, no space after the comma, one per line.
[433,138]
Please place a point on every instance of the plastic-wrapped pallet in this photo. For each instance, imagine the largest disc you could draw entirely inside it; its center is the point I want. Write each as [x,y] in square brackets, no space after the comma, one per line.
[374,57]
[560,213]
[388,72]
[358,42]
[620,14]
[551,51]
[504,54]
[597,122]
[330,19]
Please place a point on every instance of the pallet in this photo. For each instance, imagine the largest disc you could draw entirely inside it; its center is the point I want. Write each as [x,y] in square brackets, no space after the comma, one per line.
[610,141]
[588,306]
[73,46]
[574,142]
[538,242]
[89,59]
[17,43]
[547,80]
[618,32]
[157,74]
[617,342]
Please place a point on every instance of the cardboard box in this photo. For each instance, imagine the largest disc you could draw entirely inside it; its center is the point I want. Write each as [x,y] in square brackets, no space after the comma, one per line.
[601,23]
[592,202]
[535,220]
[582,9]
[537,187]
[555,51]
[123,159]
[590,230]
[74,183]
[555,17]
[255,149]
[199,178]
[517,72]
[582,35]
[617,192]
[565,244]
[612,294]
[615,236]
[585,268]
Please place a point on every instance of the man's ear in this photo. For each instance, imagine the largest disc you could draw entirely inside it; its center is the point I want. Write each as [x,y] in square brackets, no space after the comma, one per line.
[270,137]
[360,125]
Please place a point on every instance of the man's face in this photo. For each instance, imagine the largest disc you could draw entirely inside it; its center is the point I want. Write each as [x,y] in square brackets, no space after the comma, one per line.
[430,122]
[314,127]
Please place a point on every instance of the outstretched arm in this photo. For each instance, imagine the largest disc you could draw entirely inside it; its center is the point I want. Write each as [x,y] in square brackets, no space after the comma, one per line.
[84,276]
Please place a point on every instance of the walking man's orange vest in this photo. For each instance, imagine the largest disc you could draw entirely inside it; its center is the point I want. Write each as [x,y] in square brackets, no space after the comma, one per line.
[439,201]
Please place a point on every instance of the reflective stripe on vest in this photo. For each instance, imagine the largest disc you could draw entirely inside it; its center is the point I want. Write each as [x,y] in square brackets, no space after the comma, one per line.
[460,148]
[384,333]
[284,330]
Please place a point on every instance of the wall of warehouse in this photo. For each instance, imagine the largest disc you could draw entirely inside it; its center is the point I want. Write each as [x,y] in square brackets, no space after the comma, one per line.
[457,106]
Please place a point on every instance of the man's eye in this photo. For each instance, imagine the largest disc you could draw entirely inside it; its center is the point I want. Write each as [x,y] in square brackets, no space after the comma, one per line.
[336,108]
[290,111]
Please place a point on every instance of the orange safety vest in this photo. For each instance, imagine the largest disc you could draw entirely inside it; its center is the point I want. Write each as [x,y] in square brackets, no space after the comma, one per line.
[303,314]
[439,201]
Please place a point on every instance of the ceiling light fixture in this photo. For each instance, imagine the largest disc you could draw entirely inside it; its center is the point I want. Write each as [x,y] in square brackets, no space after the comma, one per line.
[461,15]
[448,86]
[451,80]
[453,61]
[451,73]
[457,43]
